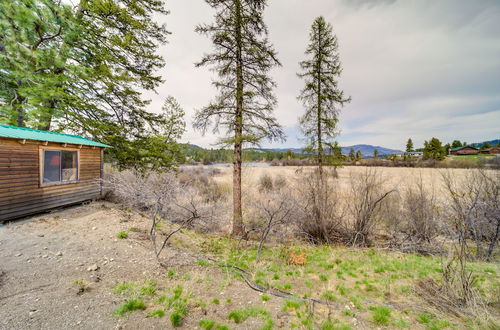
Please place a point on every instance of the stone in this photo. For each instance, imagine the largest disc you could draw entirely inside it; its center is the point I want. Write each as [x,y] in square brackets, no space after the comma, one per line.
[19,254]
[93,268]
[59,254]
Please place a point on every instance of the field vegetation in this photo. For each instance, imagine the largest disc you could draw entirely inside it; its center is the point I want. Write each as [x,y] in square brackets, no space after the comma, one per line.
[398,248]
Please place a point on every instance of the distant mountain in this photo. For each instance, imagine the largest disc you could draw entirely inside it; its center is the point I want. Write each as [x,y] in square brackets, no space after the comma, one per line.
[491,143]
[365,149]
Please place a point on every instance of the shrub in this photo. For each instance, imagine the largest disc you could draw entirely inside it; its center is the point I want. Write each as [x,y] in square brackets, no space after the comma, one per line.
[381,315]
[122,235]
[129,306]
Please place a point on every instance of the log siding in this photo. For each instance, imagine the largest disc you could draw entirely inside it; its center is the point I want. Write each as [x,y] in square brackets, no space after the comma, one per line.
[22,192]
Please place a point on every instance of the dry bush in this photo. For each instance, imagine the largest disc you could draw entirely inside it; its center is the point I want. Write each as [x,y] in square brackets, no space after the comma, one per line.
[320,214]
[267,183]
[367,199]
[272,211]
[162,196]
[419,219]
[474,208]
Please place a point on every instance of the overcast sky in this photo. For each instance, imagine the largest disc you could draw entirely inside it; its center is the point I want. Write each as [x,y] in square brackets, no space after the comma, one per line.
[416,69]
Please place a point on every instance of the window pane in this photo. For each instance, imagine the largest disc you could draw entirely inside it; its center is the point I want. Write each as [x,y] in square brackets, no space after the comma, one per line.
[69,166]
[52,166]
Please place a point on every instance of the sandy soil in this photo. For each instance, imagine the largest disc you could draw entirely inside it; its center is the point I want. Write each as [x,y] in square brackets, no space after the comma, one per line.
[42,256]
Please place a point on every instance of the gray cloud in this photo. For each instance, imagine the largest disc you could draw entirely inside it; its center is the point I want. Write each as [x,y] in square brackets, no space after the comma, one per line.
[413,68]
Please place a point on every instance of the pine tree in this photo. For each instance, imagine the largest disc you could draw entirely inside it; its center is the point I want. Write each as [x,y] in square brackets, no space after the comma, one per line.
[375,153]
[358,155]
[321,95]
[434,149]
[83,69]
[409,145]
[352,156]
[456,144]
[242,58]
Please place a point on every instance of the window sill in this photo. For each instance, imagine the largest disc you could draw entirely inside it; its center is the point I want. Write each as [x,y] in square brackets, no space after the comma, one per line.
[59,183]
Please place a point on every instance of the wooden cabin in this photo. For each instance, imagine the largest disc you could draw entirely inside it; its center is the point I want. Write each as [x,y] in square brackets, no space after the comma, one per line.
[41,170]
[466,150]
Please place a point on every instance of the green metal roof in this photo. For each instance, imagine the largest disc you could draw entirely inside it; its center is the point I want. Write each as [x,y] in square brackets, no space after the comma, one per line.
[460,148]
[15,132]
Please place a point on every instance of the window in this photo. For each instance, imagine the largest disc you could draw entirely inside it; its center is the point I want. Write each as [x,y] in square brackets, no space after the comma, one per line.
[59,166]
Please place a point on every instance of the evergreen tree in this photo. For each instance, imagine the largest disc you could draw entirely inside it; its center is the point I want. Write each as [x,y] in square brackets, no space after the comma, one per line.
[352,156]
[358,155]
[82,69]
[375,153]
[434,149]
[242,58]
[485,146]
[456,144]
[321,95]
[409,145]
[447,148]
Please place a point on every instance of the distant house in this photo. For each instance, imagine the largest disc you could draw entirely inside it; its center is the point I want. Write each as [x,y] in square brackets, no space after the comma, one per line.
[466,150]
[40,170]
[494,150]
[415,153]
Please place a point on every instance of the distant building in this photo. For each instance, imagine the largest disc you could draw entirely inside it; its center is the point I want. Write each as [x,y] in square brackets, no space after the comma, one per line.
[494,150]
[466,150]
[415,153]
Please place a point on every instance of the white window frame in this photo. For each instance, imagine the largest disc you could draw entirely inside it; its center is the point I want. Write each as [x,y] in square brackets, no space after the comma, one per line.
[42,167]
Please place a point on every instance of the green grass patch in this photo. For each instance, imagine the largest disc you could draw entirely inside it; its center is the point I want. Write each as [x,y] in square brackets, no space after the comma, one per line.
[239,316]
[130,306]
[122,235]
[381,315]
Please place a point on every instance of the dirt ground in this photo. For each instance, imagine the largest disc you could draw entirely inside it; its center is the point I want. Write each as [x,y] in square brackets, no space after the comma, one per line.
[42,256]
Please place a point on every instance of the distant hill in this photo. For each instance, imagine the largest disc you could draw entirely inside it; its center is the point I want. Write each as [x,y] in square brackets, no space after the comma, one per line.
[365,149]
[491,143]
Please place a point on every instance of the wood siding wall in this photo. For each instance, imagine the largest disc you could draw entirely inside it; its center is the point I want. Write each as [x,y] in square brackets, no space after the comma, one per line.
[20,191]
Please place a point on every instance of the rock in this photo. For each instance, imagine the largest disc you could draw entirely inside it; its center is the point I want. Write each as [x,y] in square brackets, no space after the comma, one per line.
[44,256]
[19,254]
[45,248]
[94,228]
[93,268]
[59,254]
[41,235]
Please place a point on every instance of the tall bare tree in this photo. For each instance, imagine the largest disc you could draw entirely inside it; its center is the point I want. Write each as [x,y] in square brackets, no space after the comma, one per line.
[242,57]
[321,95]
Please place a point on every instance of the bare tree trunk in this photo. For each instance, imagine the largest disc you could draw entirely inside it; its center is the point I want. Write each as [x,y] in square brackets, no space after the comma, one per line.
[238,131]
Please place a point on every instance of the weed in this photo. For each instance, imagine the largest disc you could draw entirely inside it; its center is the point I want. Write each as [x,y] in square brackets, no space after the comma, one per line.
[133,229]
[149,288]
[122,235]
[170,274]
[342,289]
[228,300]
[176,319]
[129,306]
[207,324]
[239,316]
[329,295]
[215,301]
[381,315]
[124,288]
[157,313]
[323,277]
[265,298]
[425,318]
[203,263]
[291,304]
[81,286]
